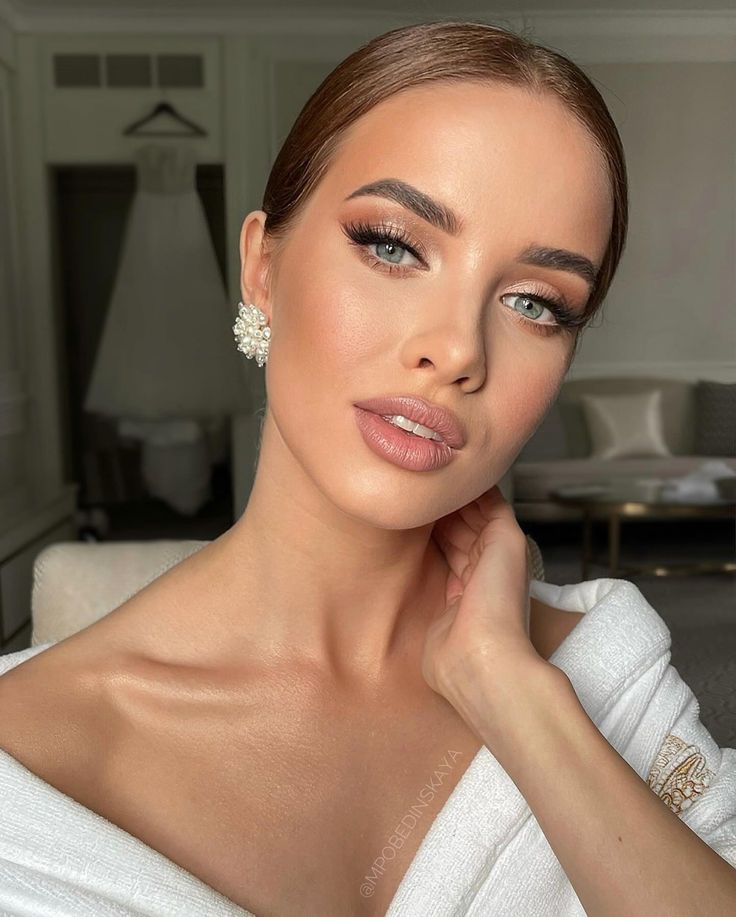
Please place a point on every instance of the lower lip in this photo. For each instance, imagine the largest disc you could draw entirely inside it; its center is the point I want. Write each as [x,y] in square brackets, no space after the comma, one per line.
[403,449]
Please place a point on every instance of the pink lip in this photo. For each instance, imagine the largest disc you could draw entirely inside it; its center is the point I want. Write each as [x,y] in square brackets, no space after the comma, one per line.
[415,453]
[437,418]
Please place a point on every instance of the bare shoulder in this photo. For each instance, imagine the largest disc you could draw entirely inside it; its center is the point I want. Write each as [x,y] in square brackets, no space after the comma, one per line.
[62,704]
[51,707]
[549,626]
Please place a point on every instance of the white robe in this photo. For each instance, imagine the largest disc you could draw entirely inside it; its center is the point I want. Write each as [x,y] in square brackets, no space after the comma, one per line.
[484,854]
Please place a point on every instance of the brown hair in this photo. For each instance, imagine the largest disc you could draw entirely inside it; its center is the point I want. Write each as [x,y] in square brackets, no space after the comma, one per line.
[430,52]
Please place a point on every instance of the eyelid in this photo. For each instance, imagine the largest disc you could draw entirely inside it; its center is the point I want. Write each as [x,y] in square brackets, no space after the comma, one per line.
[542,290]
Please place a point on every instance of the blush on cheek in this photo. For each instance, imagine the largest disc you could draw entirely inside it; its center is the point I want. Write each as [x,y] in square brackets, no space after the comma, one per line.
[354,331]
[526,403]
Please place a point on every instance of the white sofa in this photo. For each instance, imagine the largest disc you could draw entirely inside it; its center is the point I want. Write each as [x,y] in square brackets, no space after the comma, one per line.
[559,451]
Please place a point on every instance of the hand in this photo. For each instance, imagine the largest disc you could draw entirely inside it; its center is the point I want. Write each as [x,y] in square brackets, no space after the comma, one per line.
[487,594]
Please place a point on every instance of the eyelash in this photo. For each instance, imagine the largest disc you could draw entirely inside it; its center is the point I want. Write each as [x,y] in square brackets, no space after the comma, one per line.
[364,234]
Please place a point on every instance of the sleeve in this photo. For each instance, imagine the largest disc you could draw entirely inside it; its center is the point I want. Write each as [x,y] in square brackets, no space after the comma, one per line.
[684,765]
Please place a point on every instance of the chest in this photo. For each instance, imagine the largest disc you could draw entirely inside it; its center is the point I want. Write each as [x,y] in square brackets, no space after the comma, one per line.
[286,814]
[315,822]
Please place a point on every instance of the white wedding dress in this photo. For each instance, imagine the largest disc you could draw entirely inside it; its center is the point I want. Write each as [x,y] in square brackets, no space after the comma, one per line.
[167,366]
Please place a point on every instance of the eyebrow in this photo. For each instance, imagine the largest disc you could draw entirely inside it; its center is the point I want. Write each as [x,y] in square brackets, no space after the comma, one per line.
[445,219]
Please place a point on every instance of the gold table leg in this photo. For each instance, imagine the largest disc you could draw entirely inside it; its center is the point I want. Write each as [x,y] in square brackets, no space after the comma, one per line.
[614,543]
[587,543]
[615,511]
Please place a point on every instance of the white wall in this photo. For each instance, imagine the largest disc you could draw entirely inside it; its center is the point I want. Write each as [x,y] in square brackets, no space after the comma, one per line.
[672,305]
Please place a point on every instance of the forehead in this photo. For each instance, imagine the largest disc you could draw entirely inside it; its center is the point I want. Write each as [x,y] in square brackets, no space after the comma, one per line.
[500,155]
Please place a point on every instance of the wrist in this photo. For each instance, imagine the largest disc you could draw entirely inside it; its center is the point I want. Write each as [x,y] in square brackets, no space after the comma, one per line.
[494,694]
[480,669]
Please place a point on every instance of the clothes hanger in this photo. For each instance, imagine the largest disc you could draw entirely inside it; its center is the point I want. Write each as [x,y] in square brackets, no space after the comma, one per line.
[168,109]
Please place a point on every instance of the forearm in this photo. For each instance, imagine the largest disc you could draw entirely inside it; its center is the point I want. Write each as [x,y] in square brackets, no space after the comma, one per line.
[623,850]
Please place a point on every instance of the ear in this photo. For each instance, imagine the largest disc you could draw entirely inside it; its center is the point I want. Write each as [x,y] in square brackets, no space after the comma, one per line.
[255,261]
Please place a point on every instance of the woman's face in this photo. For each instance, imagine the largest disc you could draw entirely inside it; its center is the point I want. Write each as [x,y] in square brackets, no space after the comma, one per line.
[447,316]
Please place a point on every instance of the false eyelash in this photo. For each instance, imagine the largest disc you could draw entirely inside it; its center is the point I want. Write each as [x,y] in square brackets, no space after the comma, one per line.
[567,319]
[367,234]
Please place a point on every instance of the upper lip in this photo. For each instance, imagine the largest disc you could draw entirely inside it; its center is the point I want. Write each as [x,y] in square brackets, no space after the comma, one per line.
[434,416]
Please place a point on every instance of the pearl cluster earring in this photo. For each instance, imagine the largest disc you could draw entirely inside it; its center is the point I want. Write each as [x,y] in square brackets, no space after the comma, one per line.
[252,332]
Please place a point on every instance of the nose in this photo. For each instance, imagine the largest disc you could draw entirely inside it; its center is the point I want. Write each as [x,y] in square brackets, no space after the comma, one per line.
[453,352]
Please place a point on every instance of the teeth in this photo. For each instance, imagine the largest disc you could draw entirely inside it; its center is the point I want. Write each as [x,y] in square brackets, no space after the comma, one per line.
[411,427]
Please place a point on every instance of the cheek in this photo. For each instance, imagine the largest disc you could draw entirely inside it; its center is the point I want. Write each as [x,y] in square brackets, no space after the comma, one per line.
[341,325]
[524,391]
[349,326]
[346,310]
[323,331]
[342,339]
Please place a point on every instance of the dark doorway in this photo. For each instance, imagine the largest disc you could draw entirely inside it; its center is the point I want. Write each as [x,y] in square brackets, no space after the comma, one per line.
[91,204]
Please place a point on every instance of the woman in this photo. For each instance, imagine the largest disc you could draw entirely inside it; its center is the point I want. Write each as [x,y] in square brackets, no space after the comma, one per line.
[354,701]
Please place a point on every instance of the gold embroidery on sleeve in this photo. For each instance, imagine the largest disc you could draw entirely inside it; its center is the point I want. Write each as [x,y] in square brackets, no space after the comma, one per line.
[679,775]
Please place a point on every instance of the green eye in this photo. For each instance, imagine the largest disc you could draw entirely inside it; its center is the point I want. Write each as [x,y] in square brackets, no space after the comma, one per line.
[565,318]
[395,247]
[531,300]
[392,239]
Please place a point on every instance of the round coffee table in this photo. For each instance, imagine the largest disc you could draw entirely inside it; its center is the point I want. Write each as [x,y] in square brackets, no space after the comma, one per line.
[621,500]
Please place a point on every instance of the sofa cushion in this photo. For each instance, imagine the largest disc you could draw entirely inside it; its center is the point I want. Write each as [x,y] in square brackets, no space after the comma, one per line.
[715,418]
[678,408]
[625,425]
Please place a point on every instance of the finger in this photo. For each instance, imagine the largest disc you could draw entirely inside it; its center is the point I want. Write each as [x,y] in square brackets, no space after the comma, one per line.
[491,500]
[473,515]
[455,530]
[487,506]
[457,558]
[494,506]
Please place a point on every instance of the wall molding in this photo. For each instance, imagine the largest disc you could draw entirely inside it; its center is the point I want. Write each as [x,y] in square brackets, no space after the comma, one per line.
[718,371]
[13,404]
[589,36]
